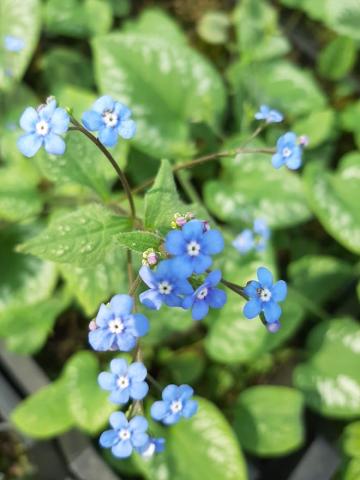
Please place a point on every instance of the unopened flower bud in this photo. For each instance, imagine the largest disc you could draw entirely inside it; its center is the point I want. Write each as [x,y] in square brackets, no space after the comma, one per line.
[92,326]
[150,257]
[303,140]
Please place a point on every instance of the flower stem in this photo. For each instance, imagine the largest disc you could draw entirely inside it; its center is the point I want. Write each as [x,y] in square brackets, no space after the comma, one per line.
[234,287]
[204,159]
[105,151]
[154,382]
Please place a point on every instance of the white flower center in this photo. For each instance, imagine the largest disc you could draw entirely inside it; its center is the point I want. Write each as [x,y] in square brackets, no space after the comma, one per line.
[124,434]
[202,294]
[110,119]
[123,382]
[42,128]
[286,152]
[193,248]
[165,287]
[264,294]
[116,326]
[176,406]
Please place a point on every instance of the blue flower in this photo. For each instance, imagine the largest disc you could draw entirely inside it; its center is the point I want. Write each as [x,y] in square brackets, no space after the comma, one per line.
[13,44]
[154,445]
[206,296]
[166,284]
[256,238]
[125,435]
[269,115]
[44,127]
[124,381]
[288,152]
[110,119]
[263,296]
[193,245]
[176,403]
[117,328]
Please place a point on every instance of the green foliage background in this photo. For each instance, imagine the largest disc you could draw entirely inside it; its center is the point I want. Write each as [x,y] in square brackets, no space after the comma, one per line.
[194,73]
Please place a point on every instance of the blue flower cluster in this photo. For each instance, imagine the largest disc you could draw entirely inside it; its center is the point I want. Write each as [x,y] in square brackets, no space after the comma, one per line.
[253,239]
[191,247]
[269,115]
[264,297]
[288,151]
[45,125]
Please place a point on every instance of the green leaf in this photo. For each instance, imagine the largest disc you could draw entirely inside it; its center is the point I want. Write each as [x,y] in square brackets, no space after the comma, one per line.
[213,27]
[352,470]
[24,280]
[92,286]
[252,188]
[268,420]
[88,404]
[330,379]
[315,10]
[318,126]
[63,66]
[278,83]
[156,22]
[162,200]
[337,58]
[351,440]
[205,447]
[82,163]
[82,237]
[343,17]
[44,414]
[350,117]
[332,198]
[166,84]
[19,197]
[21,20]
[78,18]
[38,319]
[139,241]
[257,31]
[320,277]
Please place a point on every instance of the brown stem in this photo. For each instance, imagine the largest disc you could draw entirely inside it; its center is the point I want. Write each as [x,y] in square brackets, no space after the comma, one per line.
[125,184]
[204,159]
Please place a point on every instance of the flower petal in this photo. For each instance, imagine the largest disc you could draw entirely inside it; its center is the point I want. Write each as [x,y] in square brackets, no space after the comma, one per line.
[29,144]
[107,381]
[170,393]
[279,291]
[54,144]
[123,449]
[175,243]
[139,439]
[265,277]
[251,289]
[119,366]
[103,103]
[47,111]
[188,301]
[193,230]
[277,160]
[294,162]
[120,396]
[172,300]
[29,119]
[216,298]
[201,263]
[199,310]
[60,121]
[138,424]
[103,316]
[100,339]
[272,311]
[212,242]
[213,278]
[190,408]
[185,392]
[139,390]
[252,308]
[171,419]
[92,120]
[151,299]
[118,420]
[108,438]
[244,242]
[137,371]
[147,276]
[159,410]
[122,304]
[141,324]
[108,136]
[127,129]
[125,342]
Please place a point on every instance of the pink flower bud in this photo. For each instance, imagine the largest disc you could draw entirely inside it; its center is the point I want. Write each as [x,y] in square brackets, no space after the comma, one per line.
[92,325]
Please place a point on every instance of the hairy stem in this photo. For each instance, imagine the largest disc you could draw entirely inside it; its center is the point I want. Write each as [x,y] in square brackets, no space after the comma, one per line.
[105,151]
